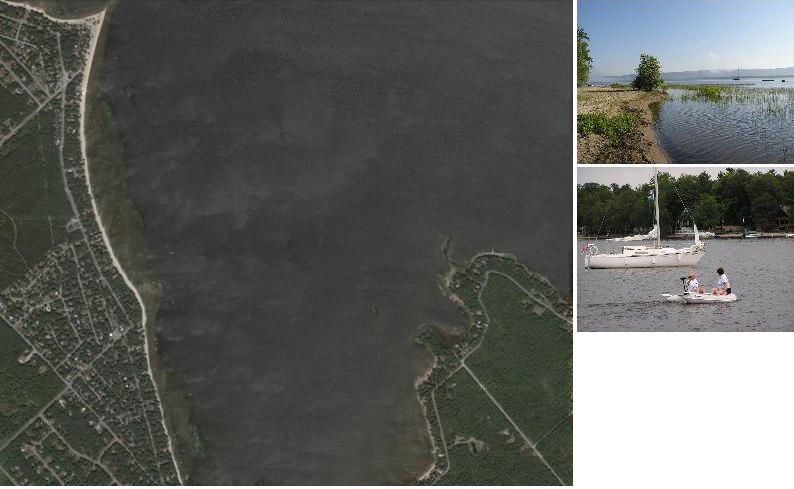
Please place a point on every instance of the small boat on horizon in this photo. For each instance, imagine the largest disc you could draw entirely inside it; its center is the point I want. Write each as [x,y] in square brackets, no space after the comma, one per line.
[769,80]
[737,77]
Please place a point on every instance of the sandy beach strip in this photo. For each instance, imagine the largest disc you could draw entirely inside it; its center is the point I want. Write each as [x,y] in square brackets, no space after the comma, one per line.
[641,147]
[95,22]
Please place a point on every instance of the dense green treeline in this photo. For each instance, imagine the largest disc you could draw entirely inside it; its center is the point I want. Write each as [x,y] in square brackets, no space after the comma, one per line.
[735,198]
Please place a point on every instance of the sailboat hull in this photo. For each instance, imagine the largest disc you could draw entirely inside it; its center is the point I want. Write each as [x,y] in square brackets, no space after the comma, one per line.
[620,260]
[647,256]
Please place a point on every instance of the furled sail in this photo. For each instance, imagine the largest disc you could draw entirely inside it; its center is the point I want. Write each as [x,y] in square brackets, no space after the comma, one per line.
[639,237]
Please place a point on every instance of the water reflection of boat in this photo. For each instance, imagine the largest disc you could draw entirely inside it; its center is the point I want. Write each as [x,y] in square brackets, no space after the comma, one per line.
[646,256]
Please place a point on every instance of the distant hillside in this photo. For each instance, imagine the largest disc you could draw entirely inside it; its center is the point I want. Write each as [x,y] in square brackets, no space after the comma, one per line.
[691,75]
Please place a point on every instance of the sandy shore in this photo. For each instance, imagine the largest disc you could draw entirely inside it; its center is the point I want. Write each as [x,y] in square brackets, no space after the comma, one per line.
[640,147]
[95,22]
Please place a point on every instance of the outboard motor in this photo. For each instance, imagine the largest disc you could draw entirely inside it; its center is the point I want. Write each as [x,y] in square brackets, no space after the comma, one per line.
[684,281]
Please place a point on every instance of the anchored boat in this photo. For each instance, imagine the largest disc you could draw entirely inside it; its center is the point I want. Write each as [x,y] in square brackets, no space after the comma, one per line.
[646,256]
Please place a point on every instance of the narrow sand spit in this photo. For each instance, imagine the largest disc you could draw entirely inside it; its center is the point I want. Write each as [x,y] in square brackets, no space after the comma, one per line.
[640,147]
[95,23]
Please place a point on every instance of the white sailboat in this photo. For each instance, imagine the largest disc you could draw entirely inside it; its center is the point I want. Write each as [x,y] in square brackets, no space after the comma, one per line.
[647,256]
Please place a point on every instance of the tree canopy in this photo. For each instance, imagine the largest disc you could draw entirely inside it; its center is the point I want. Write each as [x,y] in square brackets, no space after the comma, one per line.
[583,60]
[649,74]
[735,198]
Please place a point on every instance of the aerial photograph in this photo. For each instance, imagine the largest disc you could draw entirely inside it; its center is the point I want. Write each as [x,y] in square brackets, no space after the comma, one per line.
[689,249]
[691,82]
[287,243]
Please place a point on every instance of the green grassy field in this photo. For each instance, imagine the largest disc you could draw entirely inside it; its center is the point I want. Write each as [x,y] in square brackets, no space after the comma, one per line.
[24,388]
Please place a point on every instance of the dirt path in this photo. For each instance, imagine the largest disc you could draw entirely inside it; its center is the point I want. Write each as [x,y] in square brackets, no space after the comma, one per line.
[640,147]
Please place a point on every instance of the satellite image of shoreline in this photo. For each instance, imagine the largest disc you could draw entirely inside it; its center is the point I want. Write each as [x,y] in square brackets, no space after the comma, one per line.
[347,225]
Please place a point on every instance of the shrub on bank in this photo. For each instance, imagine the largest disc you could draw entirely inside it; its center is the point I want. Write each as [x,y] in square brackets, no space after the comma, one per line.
[615,128]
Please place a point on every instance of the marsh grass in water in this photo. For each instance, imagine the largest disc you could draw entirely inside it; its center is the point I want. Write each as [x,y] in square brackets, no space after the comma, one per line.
[770,101]
[615,128]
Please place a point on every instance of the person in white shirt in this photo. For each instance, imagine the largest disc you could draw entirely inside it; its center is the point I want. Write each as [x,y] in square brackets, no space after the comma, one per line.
[723,286]
[692,285]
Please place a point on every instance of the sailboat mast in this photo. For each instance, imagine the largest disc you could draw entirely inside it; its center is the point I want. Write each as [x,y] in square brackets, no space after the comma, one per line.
[656,208]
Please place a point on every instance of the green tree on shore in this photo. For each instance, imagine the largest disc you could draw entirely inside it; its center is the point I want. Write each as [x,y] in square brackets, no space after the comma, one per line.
[735,197]
[649,74]
[583,60]
[708,212]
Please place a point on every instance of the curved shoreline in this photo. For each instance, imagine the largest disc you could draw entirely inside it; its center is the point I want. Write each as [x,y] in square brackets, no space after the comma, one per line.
[144,316]
[439,372]
[642,146]
[96,22]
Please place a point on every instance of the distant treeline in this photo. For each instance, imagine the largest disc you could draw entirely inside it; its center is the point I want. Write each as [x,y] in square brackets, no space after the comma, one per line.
[735,198]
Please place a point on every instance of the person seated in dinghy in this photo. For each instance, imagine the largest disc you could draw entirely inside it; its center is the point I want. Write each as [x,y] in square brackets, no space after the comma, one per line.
[692,285]
[723,286]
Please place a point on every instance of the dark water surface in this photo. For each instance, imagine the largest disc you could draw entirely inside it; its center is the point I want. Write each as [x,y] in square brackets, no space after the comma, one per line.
[758,128]
[630,299]
[296,166]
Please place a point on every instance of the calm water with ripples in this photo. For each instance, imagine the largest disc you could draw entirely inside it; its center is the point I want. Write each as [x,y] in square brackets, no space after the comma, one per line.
[630,300]
[296,166]
[757,127]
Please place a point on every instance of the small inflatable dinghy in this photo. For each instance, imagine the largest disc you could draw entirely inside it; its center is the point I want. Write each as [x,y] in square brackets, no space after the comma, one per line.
[697,298]
[707,298]
[690,298]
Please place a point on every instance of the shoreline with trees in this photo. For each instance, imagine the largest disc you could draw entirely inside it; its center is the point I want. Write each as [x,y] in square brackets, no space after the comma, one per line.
[615,123]
[734,202]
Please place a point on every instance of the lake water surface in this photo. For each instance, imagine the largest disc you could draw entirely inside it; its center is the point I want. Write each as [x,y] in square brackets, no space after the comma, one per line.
[756,128]
[297,166]
[630,300]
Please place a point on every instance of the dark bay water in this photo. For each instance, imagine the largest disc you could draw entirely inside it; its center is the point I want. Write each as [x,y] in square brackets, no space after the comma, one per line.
[630,300]
[297,166]
[759,128]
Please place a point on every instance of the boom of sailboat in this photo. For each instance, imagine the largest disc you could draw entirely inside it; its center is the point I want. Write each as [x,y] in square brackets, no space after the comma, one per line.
[647,256]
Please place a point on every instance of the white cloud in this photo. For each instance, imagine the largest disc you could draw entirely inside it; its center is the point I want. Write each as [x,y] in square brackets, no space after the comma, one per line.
[714,56]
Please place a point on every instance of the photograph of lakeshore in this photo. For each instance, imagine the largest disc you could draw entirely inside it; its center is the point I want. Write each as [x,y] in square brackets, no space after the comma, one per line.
[638,252]
[285,243]
[695,82]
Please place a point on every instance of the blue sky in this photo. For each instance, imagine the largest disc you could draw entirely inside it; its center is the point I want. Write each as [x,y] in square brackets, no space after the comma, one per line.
[688,35]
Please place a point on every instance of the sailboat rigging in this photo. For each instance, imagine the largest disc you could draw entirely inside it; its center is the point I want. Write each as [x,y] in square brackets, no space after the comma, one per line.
[647,256]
